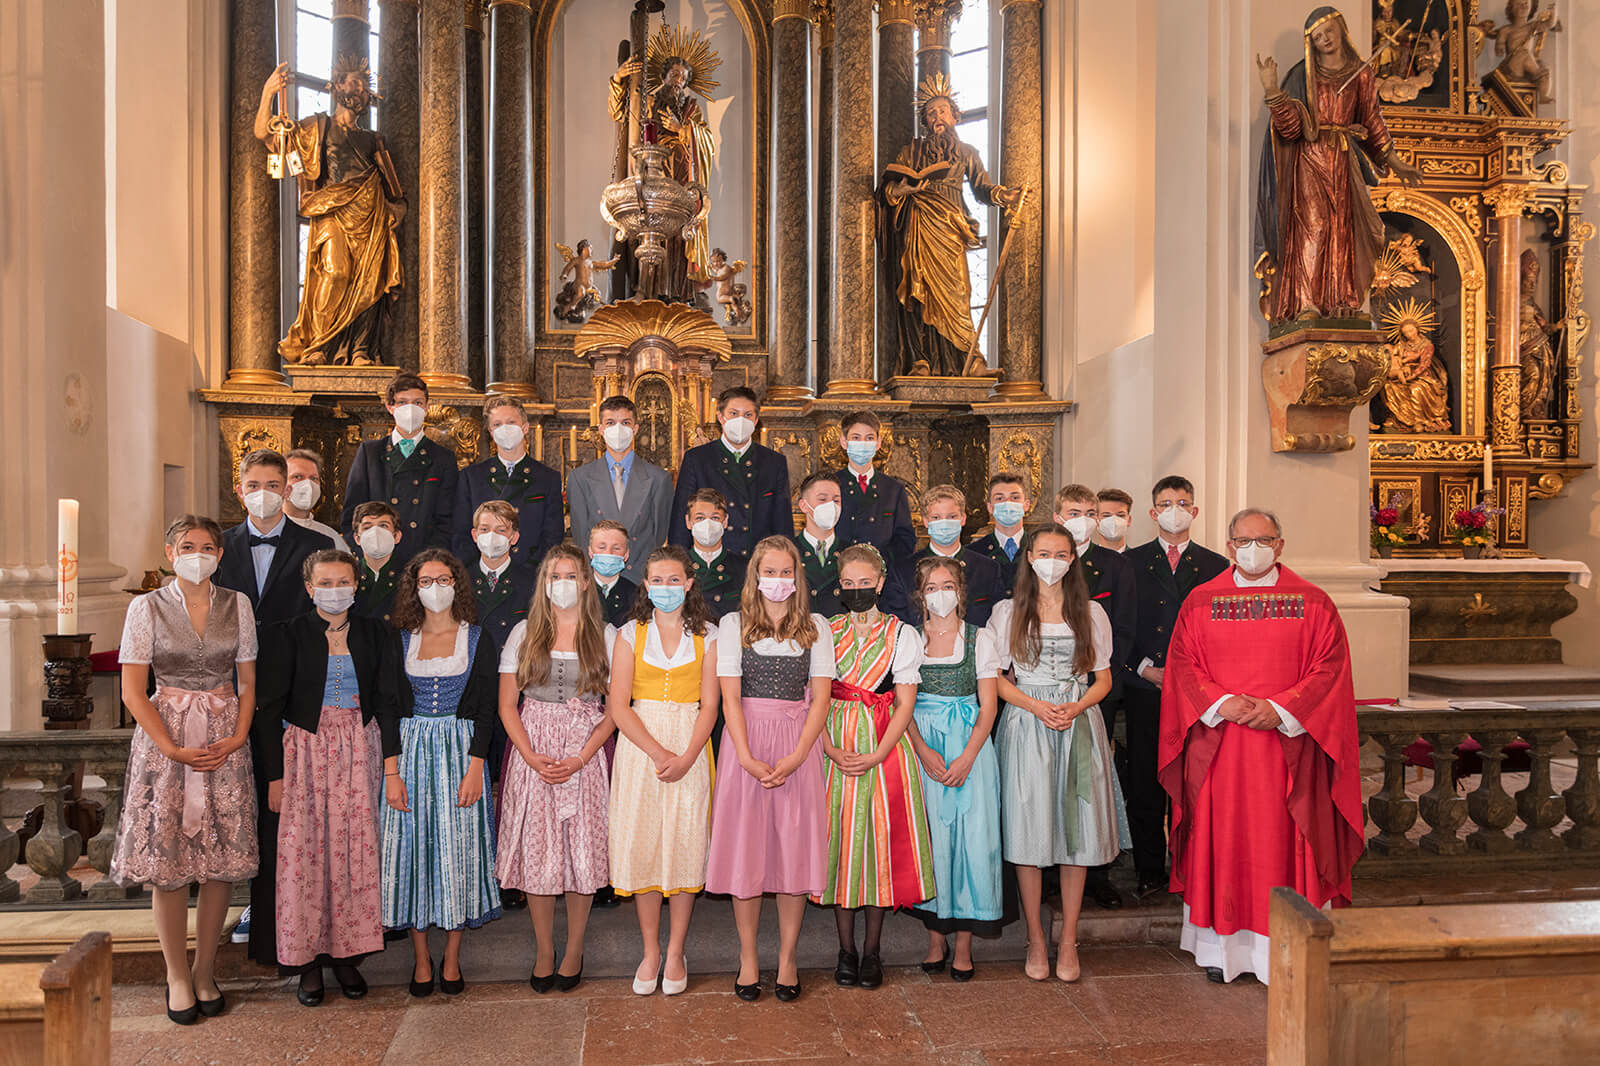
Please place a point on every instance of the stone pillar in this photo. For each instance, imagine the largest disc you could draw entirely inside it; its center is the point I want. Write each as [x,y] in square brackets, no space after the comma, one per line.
[401,126]
[822,273]
[791,128]
[1022,164]
[351,30]
[897,89]
[441,214]
[1504,430]
[253,278]
[934,19]
[476,195]
[511,164]
[850,362]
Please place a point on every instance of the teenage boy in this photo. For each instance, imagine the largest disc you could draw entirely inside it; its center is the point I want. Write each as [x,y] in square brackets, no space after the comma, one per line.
[718,571]
[377,538]
[515,476]
[623,488]
[753,478]
[819,547]
[608,558]
[1008,506]
[413,473]
[1114,513]
[305,490]
[944,508]
[1165,571]
[874,507]
[261,556]
[501,585]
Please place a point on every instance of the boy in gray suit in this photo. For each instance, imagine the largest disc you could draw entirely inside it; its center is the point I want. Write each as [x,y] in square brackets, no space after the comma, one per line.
[623,487]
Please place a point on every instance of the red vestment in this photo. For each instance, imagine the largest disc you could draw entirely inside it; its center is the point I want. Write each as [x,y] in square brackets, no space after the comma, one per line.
[1253,809]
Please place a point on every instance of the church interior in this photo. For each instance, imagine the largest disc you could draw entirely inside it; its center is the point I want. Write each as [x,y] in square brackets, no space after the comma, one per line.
[1074,243]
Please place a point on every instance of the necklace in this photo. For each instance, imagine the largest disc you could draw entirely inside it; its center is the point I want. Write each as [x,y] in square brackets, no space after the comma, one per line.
[341,627]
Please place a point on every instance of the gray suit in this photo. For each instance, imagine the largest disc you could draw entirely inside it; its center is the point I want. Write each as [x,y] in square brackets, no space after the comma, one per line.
[646,507]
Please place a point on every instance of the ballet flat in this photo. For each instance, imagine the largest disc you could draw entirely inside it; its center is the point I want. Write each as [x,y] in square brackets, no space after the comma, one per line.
[669,987]
[648,988]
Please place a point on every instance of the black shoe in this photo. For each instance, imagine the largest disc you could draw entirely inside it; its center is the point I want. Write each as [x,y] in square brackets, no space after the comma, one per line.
[1214,975]
[1151,887]
[606,897]
[961,975]
[513,899]
[449,987]
[351,983]
[543,984]
[848,970]
[424,988]
[212,1007]
[391,935]
[567,982]
[937,967]
[750,992]
[871,971]
[306,994]
[787,993]
[1104,893]
[189,1015]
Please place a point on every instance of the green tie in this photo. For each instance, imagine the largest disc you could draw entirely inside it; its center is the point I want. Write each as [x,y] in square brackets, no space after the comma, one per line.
[407,446]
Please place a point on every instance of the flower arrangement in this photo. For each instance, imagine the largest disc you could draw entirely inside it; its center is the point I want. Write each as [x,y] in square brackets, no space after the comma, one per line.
[1469,526]
[1384,538]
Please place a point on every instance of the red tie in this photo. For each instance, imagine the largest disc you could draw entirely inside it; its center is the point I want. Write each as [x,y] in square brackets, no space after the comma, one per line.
[1173,555]
[863,479]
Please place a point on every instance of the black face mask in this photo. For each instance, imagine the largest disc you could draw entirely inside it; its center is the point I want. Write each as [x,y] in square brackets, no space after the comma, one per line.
[858,601]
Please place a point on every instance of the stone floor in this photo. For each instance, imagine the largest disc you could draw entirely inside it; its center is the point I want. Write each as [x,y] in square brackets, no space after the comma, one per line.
[1135,1004]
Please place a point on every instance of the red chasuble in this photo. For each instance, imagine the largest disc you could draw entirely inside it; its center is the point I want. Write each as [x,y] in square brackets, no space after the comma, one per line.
[1253,809]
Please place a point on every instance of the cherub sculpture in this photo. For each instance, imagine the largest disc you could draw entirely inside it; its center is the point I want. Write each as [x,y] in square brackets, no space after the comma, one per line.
[730,294]
[1520,44]
[579,296]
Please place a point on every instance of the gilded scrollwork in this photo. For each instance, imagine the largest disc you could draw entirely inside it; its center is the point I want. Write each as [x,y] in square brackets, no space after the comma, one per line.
[1343,375]
[1424,449]
[462,431]
[1021,452]
[251,437]
[1470,210]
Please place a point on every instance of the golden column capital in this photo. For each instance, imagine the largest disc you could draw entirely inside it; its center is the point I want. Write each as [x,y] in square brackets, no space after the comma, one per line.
[790,9]
[896,12]
[1007,3]
[934,18]
[526,5]
[1508,201]
[350,9]
[822,17]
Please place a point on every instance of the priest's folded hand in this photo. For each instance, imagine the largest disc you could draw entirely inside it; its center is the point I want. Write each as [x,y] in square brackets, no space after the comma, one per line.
[1262,715]
[1236,709]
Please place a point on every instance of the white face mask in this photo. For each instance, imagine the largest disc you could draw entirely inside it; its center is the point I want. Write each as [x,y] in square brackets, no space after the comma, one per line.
[1081,527]
[706,532]
[492,545]
[334,600]
[305,494]
[738,430]
[825,515]
[408,418]
[377,543]
[194,567]
[941,603]
[1113,527]
[508,436]
[1174,519]
[1255,560]
[1050,571]
[619,438]
[563,592]
[437,598]
[263,504]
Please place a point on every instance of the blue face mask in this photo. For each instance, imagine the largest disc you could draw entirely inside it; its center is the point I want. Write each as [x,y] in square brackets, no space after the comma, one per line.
[944,531]
[667,598]
[608,565]
[1008,514]
[861,451]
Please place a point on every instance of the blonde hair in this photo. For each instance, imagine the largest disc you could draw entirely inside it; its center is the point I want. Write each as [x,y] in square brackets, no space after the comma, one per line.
[754,625]
[501,509]
[533,658]
[944,492]
[862,553]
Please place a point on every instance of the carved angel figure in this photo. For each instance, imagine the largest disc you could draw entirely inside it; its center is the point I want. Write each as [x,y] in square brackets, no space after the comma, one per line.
[579,296]
[1520,44]
[730,294]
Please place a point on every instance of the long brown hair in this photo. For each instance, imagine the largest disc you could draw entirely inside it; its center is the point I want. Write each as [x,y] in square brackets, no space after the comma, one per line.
[754,624]
[539,634]
[1026,642]
[408,609]
[695,616]
[926,566]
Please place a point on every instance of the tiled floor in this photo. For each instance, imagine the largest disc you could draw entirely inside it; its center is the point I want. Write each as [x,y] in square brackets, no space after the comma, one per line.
[1136,1004]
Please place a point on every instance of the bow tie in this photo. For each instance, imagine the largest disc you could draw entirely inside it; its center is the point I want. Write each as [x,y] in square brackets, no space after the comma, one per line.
[264,542]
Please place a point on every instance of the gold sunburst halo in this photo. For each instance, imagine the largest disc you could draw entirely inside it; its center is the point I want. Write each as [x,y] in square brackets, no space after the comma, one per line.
[688,45]
[935,86]
[1421,315]
[1390,271]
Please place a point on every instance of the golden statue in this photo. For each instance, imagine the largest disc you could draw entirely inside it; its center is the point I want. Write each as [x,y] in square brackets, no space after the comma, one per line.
[1533,340]
[1416,390]
[350,194]
[925,232]
[678,65]
[579,296]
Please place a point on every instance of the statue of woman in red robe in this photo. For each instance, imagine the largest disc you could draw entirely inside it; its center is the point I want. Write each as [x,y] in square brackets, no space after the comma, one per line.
[1326,143]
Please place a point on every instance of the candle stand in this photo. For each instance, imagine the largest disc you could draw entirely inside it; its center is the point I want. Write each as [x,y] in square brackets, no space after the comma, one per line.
[67,703]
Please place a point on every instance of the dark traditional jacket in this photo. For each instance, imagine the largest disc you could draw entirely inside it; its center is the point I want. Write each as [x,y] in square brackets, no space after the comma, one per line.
[531,487]
[755,486]
[422,489]
[503,606]
[881,516]
[1161,591]
[822,575]
[721,581]
[616,605]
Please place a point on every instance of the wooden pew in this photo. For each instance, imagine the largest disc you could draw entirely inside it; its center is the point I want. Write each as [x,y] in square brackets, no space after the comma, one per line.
[62,1015]
[1403,986]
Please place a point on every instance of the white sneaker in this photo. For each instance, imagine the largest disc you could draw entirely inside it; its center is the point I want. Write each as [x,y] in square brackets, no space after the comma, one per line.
[241,932]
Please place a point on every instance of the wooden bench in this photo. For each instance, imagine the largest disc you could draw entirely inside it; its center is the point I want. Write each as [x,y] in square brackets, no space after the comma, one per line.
[1501,982]
[59,1015]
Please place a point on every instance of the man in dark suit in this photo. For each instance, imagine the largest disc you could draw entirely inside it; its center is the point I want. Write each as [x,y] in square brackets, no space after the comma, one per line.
[717,571]
[944,508]
[1009,505]
[623,488]
[378,534]
[412,473]
[1165,571]
[874,507]
[753,478]
[513,475]
[819,548]
[608,556]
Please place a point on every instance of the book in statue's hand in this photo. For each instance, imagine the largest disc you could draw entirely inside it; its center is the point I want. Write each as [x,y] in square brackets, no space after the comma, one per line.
[937,169]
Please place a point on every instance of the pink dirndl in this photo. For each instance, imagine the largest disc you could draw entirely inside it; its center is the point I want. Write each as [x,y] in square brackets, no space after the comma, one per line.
[553,838]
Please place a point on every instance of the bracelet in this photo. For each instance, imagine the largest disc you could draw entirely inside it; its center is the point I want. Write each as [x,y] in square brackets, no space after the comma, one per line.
[394,774]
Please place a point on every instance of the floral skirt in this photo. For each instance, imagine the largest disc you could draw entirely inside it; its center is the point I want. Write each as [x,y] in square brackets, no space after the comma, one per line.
[553,837]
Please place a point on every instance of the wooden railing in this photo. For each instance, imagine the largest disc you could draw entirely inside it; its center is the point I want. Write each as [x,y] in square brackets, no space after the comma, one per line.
[1470,823]
[56,759]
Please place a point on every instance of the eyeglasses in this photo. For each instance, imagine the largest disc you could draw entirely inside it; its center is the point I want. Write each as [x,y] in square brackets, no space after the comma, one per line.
[430,582]
[1260,542]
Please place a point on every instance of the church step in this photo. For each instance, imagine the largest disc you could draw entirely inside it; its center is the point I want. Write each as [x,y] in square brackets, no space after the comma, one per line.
[1505,681]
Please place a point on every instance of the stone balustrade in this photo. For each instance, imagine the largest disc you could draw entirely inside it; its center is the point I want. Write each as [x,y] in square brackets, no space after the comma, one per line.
[55,758]
[1471,825]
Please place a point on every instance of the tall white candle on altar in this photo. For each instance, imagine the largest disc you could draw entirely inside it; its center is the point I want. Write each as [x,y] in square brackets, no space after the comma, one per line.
[1488,468]
[67,568]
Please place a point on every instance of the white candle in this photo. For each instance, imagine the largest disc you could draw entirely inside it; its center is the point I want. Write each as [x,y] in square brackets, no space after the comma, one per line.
[67,568]
[1488,468]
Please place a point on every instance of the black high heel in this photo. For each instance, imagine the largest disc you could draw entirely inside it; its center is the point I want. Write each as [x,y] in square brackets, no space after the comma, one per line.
[962,975]
[449,987]
[543,984]
[424,988]
[188,1016]
[567,982]
[211,1007]
[351,983]
[307,995]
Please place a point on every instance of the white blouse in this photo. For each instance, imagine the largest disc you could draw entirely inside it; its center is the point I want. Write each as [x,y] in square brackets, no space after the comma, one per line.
[1099,630]
[730,649]
[139,632]
[508,654]
[652,645]
[451,665]
[985,653]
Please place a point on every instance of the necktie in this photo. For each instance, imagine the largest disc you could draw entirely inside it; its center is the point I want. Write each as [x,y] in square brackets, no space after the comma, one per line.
[492,579]
[407,446]
[263,542]
[618,479]
[1011,548]
[1173,555]
[863,479]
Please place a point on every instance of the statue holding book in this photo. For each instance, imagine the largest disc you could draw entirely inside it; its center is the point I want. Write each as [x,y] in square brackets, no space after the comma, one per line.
[924,234]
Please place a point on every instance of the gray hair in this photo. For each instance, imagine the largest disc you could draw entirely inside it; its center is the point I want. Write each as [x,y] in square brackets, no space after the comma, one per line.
[1254,512]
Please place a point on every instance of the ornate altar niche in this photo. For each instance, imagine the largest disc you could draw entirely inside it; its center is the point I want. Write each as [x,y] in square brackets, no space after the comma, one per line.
[1450,288]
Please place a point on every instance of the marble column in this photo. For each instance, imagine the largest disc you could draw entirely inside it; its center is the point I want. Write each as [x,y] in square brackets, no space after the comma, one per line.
[791,65]
[476,195]
[441,210]
[401,125]
[1022,164]
[934,19]
[351,30]
[511,164]
[897,87]
[253,279]
[1505,374]
[850,356]
[822,272]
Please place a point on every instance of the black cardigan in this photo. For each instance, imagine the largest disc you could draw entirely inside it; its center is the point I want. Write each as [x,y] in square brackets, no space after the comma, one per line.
[480,702]
[292,672]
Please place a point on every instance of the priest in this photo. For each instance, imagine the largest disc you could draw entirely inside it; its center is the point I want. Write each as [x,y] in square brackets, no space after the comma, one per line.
[1258,751]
